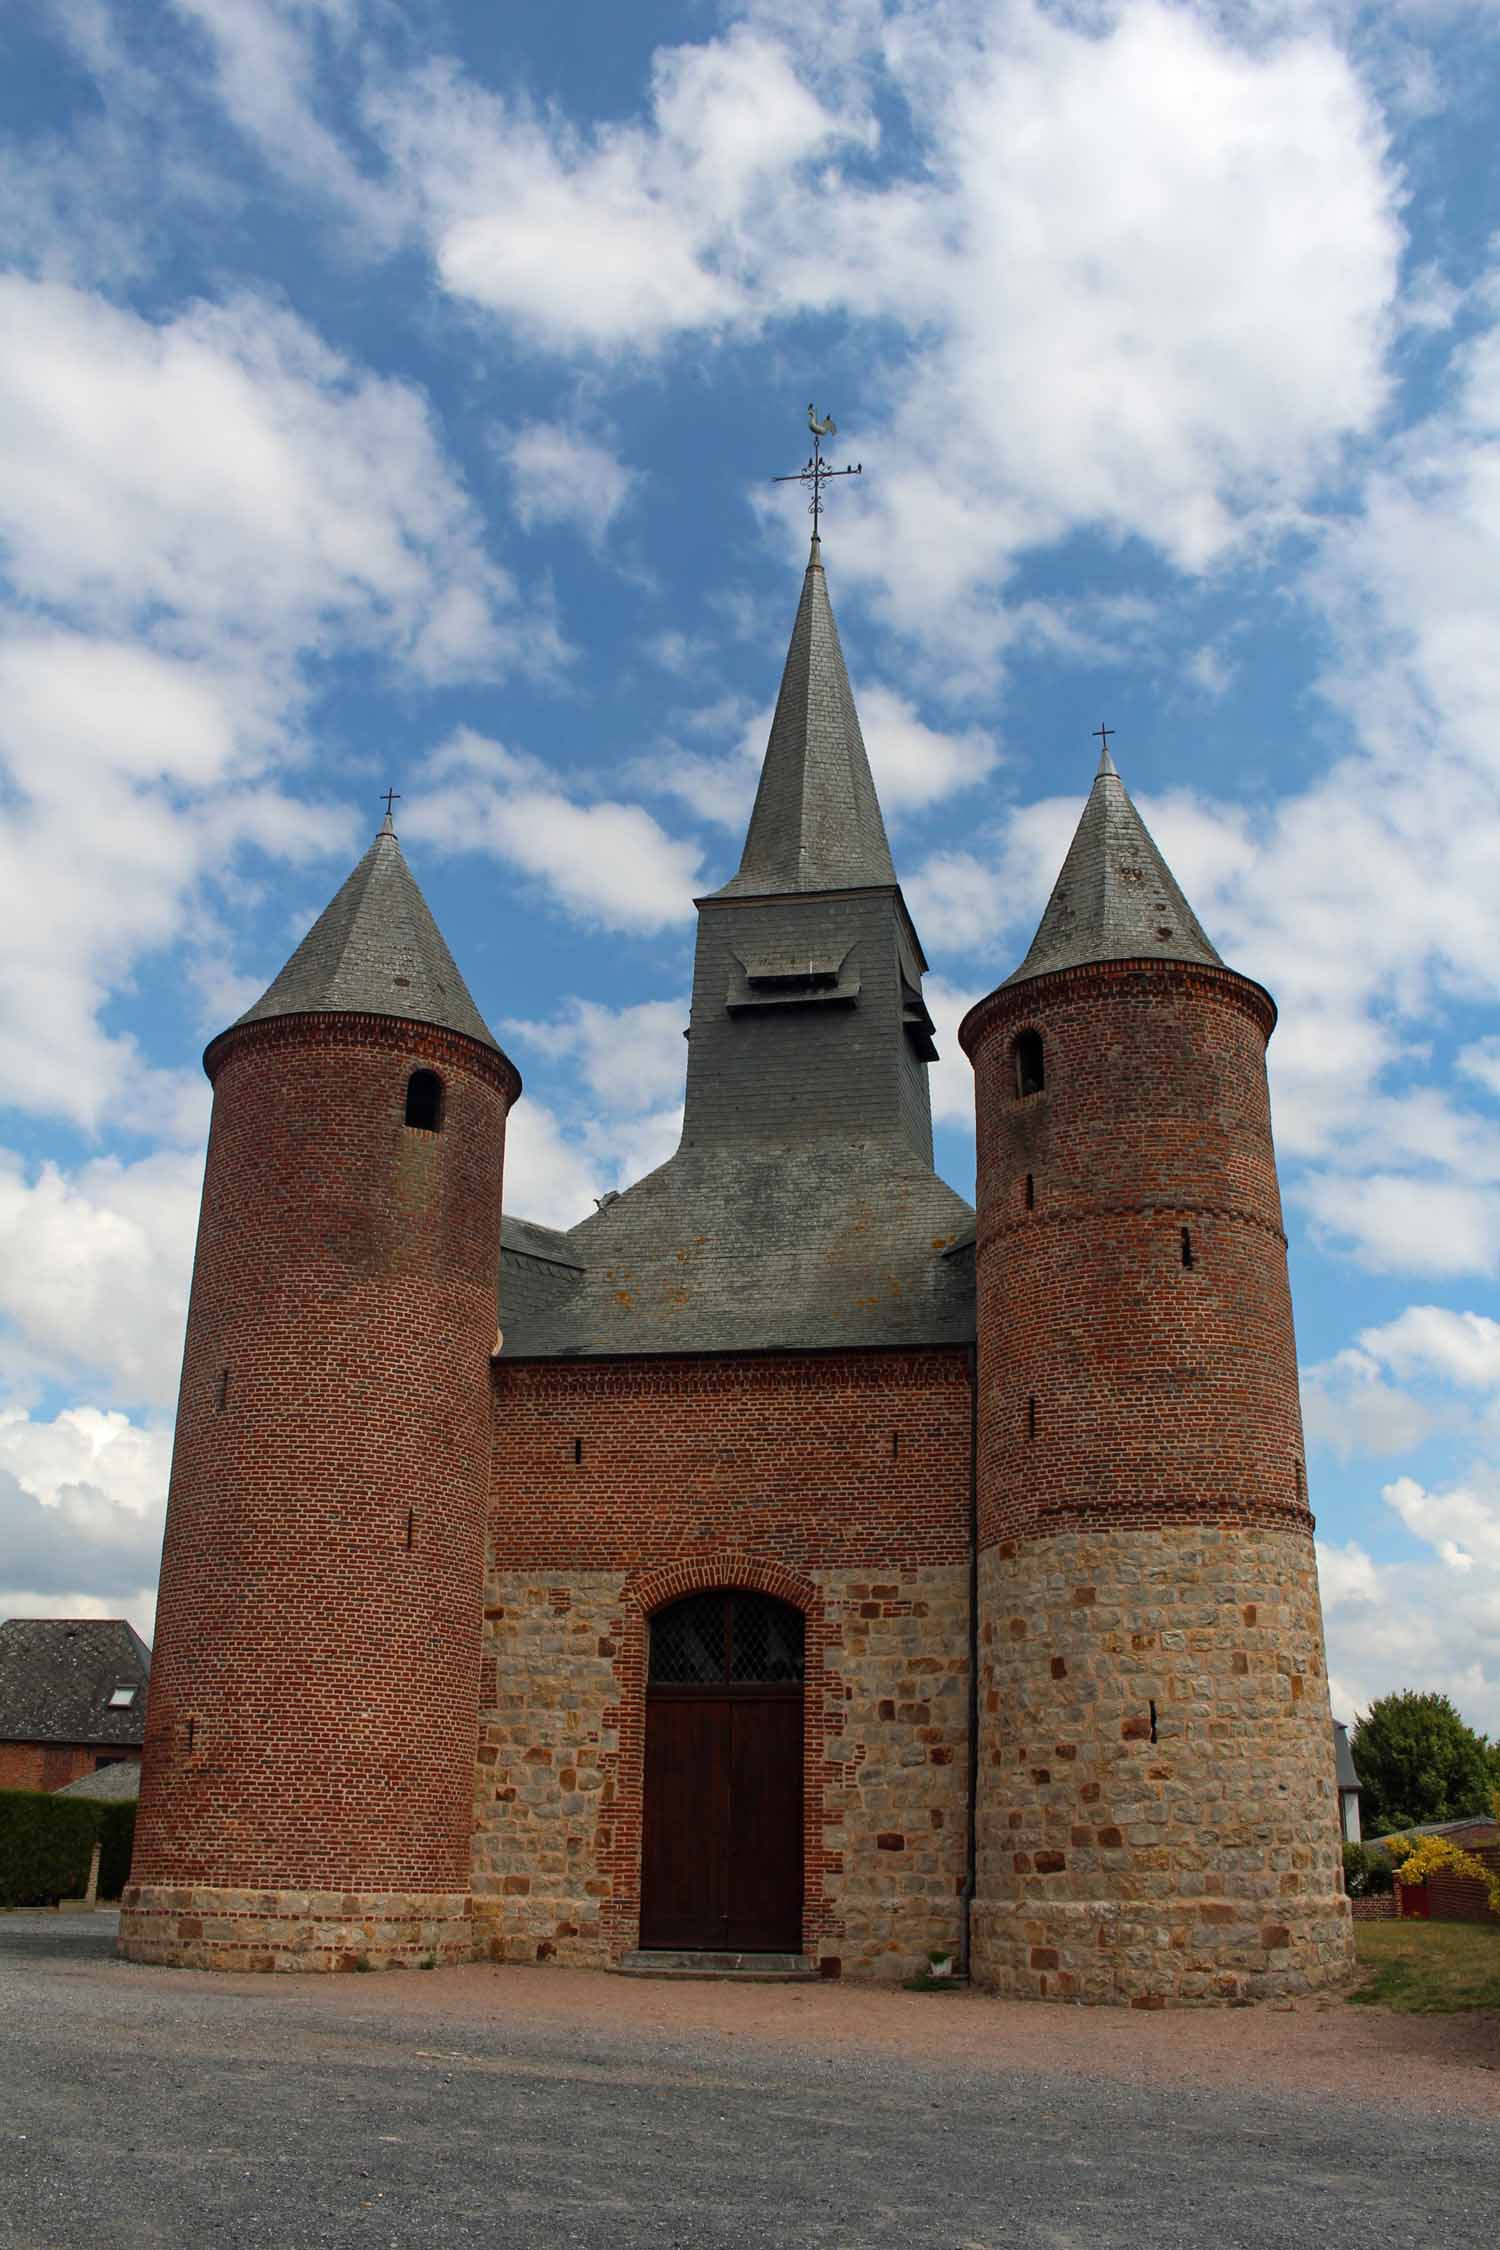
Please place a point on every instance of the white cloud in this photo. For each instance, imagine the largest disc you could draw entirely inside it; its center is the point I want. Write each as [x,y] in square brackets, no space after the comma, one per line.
[82,1502]
[266,56]
[94,1271]
[1397,1222]
[554,1171]
[561,476]
[1349,1407]
[548,1176]
[916,765]
[631,1058]
[232,471]
[951,1077]
[190,509]
[1480,1060]
[1073,332]
[610,863]
[1432,1624]
[1210,669]
[1462,1348]
[626,235]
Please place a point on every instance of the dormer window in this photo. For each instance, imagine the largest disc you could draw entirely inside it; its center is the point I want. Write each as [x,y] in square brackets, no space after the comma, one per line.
[424,1101]
[792,978]
[1031,1070]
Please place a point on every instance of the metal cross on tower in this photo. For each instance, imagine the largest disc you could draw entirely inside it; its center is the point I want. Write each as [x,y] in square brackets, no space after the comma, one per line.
[392,797]
[1102,735]
[817,472]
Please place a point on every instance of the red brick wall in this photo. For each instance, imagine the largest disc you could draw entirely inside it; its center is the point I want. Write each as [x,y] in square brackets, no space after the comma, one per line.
[45,1765]
[1157,1813]
[314,1685]
[1462,1898]
[779,1473]
[786,1456]
[1161,1390]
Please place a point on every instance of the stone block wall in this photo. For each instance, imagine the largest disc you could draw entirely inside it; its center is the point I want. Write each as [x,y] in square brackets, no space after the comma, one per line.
[837,1482]
[558,1808]
[199,1926]
[1158,1809]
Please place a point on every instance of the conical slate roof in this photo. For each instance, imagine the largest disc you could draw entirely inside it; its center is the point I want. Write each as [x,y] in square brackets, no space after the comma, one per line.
[1116,898]
[816,824]
[375,950]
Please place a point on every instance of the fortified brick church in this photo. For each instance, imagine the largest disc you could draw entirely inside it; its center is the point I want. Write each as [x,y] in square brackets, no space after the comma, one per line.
[811,1566]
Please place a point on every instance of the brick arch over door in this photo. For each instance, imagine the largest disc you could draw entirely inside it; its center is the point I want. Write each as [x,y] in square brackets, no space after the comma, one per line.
[646,1591]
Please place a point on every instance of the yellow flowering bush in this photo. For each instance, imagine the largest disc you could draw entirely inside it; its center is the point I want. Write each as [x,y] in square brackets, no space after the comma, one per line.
[1421,1856]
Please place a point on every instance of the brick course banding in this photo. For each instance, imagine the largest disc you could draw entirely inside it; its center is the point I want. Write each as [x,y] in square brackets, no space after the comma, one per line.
[312,1707]
[1157,1813]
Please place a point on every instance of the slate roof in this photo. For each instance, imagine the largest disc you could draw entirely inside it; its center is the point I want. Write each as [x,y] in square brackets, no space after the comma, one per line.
[801,1210]
[56,1676]
[817,824]
[758,1247]
[376,950]
[1116,898]
[119,1784]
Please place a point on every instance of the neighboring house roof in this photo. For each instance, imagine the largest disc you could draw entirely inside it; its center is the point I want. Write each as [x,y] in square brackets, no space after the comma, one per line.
[1344,1758]
[59,1674]
[1116,898]
[375,950]
[119,1784]
[1478,1826]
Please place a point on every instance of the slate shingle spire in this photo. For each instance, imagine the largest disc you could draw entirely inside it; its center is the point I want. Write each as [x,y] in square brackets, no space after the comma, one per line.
[376,950]
[1116,899]
[817,824]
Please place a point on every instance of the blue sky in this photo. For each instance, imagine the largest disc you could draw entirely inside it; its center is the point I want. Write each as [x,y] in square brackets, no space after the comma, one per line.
[389,396]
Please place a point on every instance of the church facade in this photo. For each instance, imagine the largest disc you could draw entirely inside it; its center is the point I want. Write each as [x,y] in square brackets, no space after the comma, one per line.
[789,1559]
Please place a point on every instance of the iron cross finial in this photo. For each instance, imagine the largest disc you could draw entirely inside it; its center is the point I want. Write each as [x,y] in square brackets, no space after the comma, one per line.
[816,471]
[1101,736]
[392,797]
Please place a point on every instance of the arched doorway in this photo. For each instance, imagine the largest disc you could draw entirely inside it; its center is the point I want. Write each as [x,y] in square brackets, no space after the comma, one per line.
[721,1848]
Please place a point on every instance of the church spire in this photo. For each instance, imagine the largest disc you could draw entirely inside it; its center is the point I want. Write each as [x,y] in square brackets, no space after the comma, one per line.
[1116,899]
[376,950]
[816,825]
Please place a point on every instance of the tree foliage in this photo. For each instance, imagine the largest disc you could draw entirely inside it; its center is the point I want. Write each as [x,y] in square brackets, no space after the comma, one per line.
[1418,1761]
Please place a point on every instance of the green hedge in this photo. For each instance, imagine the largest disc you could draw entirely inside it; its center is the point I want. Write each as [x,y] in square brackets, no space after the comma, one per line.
[1368,1871]
[117,1835]
[47,1842]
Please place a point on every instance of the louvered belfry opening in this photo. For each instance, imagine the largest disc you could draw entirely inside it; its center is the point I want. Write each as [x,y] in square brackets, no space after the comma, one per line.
[721,1861]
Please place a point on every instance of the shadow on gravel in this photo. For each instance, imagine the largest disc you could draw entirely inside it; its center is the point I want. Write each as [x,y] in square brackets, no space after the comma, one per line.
[41,1936]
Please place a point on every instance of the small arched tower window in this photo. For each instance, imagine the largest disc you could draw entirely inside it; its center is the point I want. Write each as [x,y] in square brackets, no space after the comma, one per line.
[424,1101]
[1031,1071]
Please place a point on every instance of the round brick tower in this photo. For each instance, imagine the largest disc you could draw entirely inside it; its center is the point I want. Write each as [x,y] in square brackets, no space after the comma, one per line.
[1157,1814]
[307,1791]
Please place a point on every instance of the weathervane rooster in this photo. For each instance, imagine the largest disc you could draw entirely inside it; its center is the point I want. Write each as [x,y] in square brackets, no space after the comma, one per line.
[817,472]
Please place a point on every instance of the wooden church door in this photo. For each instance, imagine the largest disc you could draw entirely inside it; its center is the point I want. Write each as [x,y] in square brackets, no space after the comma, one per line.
[721,1847]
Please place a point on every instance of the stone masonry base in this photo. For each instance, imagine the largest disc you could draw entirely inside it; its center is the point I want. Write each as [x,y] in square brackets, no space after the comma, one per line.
[1159,1953]
[197,1927]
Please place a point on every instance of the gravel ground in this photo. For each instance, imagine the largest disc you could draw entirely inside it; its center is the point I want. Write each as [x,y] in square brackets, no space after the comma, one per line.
[542,2106]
